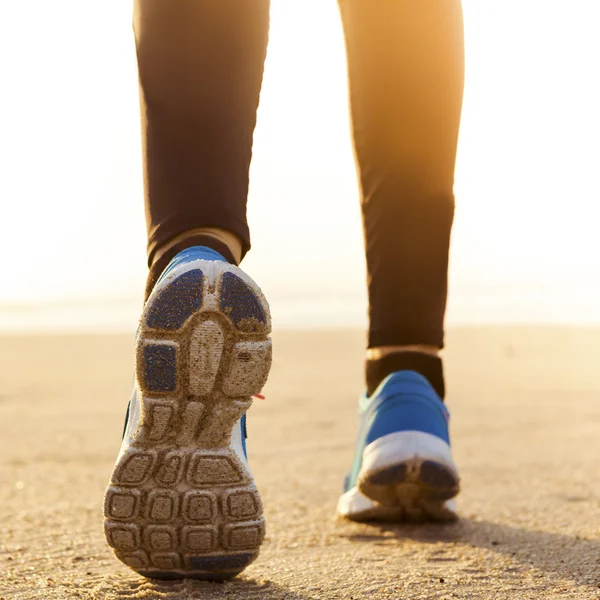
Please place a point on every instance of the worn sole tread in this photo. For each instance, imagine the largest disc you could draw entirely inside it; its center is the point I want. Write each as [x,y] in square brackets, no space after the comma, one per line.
[181,500]
[415,490]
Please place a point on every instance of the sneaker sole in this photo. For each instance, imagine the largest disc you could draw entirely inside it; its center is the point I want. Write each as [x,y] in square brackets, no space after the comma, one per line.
[411,476]
[181,502]
[415,490]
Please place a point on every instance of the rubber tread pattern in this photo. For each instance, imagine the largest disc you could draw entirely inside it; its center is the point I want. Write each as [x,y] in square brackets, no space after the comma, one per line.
[181,502]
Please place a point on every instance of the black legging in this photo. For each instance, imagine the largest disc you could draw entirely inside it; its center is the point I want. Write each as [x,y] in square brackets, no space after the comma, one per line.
[200,67]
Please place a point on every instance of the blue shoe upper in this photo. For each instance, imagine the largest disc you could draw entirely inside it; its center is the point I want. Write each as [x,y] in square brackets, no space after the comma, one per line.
[190,254]
[404,401]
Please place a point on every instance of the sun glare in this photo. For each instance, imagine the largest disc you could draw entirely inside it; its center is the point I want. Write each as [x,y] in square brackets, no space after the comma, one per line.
[527,198]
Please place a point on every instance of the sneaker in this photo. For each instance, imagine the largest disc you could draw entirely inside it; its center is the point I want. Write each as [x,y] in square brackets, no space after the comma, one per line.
[403,467]
[182,500]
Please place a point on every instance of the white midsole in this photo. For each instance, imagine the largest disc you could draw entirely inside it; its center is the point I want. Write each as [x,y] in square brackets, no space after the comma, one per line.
[403,446]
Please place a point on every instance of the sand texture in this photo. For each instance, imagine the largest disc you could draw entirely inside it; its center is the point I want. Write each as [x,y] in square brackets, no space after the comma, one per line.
[525,408]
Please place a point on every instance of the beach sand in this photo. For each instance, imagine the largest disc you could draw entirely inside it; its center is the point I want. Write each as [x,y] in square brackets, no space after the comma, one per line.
[525,422]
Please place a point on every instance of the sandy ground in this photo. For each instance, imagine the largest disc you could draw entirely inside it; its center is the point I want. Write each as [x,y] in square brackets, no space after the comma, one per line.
[526,432]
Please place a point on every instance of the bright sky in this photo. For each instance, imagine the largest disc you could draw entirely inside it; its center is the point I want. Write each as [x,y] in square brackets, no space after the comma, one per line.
[525,246]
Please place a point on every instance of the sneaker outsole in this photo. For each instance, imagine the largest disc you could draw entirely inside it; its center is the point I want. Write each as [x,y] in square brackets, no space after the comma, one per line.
[414,490]
[181,500]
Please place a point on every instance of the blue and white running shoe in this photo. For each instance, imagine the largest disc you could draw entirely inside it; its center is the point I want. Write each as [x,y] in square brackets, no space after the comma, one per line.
[182,500]
[403,467]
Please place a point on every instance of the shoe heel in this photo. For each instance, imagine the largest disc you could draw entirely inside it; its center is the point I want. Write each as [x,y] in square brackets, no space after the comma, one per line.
[411,471]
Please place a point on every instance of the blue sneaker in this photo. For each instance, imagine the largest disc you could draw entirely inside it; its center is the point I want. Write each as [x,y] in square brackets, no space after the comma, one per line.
[182,500]
[403,467]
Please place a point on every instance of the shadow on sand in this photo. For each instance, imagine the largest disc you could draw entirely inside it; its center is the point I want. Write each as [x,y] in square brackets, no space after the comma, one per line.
[556,554]
[190,589]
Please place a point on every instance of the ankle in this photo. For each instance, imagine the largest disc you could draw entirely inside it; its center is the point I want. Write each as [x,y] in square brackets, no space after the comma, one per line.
[383,351]
[382,363]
